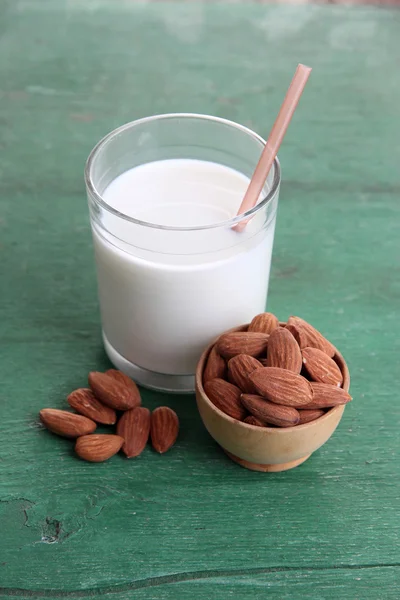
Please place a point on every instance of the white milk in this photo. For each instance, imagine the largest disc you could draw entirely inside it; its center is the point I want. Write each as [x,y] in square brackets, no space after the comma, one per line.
[164,295]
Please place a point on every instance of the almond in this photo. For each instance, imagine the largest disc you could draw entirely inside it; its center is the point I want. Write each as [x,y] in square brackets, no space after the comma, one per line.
[242,342]
[65,423]
[326,396]
[164,428]
[307,336]
[239,369]
[215,367]
[226,397]
[85,403]
[283,351]
[264,323]
[308,415]
[321,367]
[263,362]
[98,447]
[134,427]
[251,420]
[122,378]
[283,416]
[112,392]
[282,386]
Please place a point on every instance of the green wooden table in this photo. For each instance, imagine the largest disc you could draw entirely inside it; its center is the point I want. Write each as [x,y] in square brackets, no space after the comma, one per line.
[191,524]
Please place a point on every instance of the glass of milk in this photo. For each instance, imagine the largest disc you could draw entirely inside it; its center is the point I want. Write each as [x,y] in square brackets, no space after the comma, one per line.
[173,272]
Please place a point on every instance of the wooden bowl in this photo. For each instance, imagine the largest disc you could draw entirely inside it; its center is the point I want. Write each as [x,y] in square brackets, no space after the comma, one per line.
[267,449]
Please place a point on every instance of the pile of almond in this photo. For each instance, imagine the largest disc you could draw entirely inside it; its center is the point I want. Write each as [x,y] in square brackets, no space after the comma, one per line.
[274,374]
[111,392]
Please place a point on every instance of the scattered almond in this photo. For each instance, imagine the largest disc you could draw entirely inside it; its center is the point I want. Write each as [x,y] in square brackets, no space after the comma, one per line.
[242,342]
[113,393]
[84,402]
[239,369]
[282,386]
[264,323]
[65,423]
[308,415]
[164,428]
[321,367]
[134,428]
[98,447]
[283,351]
[109,392]
[283,416]
[127,381]
[327,396]
[307,336]
[215,367]
[226,397]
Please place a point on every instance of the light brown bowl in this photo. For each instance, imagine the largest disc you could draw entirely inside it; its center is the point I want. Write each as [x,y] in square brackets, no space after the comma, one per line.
[266,448]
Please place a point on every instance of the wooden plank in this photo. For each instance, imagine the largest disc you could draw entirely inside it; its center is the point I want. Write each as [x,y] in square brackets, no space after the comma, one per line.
[69,73]
[283,584]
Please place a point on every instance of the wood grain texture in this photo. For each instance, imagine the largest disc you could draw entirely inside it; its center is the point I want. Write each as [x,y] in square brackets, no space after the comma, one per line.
[181,525]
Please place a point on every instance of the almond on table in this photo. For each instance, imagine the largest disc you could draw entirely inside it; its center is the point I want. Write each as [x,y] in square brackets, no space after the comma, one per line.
[125,380]
[164,428]
[98,447]
[113,393]
[65,423]
[134,428]
[109,392]
[85,402]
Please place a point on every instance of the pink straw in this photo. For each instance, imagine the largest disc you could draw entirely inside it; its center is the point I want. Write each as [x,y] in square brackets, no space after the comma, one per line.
[275,138]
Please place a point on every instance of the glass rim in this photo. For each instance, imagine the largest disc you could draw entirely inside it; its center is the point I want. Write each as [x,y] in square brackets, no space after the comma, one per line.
[227,223]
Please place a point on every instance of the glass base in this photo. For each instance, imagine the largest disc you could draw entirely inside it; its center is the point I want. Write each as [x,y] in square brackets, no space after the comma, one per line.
[175,384]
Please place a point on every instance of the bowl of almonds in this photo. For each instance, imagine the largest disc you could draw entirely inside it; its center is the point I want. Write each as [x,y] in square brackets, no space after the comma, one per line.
[271,393]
